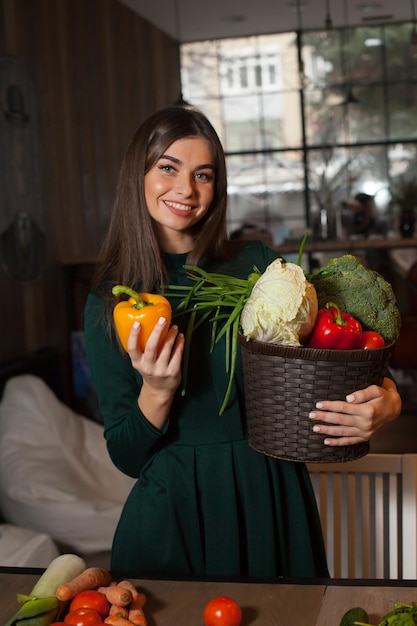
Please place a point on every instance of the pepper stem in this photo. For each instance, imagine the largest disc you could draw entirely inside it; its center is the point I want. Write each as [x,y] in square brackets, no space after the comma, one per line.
[338,319]
[139,303]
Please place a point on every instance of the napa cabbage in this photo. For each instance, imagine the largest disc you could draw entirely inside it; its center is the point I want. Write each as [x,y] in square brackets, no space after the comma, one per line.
[282,307]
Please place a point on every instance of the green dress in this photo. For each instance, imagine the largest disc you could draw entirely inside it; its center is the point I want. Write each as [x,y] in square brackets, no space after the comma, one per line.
[204,504]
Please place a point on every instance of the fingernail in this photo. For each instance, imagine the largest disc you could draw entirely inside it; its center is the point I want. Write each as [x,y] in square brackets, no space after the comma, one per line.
[312,415]
[316,428]
[135,325]
[319,405]
[350,398]
[162,320]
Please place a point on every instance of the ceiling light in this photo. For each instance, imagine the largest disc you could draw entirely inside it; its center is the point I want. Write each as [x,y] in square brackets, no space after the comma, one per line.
[373,42]
[328,22]
[413,40]
[350,97]
[180,100]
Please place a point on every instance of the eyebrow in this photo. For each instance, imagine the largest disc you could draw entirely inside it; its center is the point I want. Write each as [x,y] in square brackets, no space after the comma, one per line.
[179,162]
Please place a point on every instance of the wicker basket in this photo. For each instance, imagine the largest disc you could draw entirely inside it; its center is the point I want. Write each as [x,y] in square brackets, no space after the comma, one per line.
[282,385]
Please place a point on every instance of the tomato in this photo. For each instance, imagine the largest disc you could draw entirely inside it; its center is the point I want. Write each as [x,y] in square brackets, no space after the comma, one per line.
[370,340]
[91,599]
[222,611]
[83,617]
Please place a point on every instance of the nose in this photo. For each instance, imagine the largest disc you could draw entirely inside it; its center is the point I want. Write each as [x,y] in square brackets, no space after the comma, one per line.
[184,184]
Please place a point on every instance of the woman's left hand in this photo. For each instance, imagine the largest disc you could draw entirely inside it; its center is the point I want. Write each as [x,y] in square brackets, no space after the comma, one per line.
[360,417]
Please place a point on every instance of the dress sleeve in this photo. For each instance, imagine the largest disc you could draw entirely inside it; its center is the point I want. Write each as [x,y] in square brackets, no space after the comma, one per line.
[131,439]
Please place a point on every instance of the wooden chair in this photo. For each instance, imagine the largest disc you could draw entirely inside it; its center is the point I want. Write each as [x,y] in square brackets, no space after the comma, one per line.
[368,511]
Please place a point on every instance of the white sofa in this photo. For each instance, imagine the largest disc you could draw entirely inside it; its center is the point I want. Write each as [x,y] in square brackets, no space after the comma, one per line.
[56,477]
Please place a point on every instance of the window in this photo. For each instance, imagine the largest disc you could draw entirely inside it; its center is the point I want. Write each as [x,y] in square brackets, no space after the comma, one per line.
[248,72]
[298,138]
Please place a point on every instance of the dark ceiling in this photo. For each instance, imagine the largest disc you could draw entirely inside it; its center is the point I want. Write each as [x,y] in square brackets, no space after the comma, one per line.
[197,20]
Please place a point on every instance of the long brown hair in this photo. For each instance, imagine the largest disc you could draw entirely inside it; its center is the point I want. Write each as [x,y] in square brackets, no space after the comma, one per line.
[131,253]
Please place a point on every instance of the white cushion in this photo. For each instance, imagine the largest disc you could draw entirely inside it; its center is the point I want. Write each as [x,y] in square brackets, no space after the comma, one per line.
[22,547]
[55,473]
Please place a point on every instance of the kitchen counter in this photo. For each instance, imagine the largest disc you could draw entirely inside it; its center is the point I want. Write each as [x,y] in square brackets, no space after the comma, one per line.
[173,602]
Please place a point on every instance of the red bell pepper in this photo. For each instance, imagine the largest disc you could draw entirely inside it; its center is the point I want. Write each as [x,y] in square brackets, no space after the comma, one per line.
[335,330]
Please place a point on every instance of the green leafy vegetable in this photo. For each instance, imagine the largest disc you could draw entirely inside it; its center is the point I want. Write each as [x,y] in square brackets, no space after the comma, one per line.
[282,307]
[215,297]
[41,607]
[360,291]
[354,616]
[401,615]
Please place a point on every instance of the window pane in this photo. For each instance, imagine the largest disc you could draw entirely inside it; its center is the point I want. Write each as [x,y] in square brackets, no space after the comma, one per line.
[199,70]
[322,58]
[363,54]
[248,126]
[364,115]
[402,100]
[400,63]
[402,161]
[324,117]
[267,190]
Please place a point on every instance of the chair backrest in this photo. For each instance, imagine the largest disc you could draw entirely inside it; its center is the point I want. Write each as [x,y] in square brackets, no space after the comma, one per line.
[368,511]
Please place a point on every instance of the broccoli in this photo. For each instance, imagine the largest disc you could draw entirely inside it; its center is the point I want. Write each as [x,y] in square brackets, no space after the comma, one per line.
[360,291]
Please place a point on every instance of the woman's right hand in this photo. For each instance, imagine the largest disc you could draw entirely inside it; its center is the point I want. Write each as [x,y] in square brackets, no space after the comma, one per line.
[159,368]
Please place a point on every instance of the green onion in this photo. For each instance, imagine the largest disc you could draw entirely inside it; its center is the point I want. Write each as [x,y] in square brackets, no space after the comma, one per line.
[215,297]
[41,607]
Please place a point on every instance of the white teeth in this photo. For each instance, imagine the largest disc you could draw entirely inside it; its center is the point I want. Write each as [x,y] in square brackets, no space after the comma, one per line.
[179,207]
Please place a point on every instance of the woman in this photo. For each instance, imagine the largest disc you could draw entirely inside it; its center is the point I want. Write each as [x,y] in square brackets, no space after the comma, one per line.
[205,504]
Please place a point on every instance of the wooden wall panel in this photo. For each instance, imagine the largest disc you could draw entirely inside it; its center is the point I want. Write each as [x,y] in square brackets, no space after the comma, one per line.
[99,70]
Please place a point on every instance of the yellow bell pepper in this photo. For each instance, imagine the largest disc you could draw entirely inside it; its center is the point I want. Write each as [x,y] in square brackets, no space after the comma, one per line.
[145,308]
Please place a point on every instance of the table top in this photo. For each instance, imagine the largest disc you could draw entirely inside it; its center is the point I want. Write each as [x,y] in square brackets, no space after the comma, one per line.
[349,245]
[170,603]
[293,245]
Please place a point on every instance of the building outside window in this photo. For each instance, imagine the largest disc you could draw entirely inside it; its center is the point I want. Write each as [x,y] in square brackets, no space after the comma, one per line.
[307,121]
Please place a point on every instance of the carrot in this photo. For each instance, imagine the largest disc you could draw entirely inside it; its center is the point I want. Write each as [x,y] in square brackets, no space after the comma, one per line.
[91,578]
[139,598]
[139,601]
[116,595]
[117,620]
[121,611]
[137,616]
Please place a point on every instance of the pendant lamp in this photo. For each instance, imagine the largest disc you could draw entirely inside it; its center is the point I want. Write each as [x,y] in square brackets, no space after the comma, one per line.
[180,101]
[328,22]
[413,40]
[350,97]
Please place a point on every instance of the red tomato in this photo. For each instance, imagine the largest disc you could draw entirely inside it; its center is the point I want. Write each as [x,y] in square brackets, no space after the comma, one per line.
[83,617]
[222,611]
[370,340]
[91,599]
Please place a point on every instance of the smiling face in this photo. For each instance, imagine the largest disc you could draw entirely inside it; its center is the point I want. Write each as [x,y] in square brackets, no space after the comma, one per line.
[179,190]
